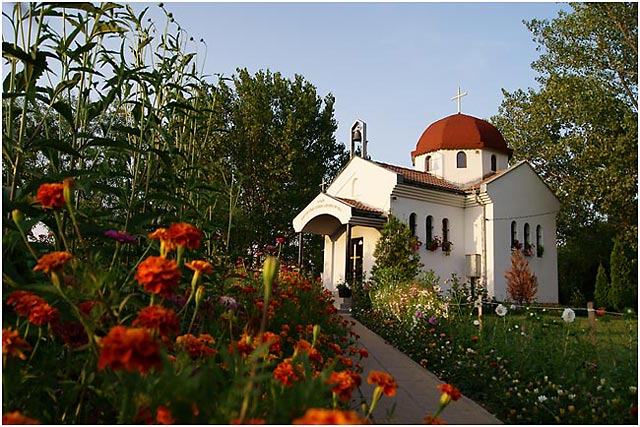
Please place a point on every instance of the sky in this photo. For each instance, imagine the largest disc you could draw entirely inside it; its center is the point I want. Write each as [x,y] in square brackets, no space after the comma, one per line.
[395,66]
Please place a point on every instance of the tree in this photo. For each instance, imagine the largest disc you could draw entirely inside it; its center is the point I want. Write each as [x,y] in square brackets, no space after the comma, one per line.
[522,285]
[601,294]
[396,248]
[621,293]
[276,136]
[580,129]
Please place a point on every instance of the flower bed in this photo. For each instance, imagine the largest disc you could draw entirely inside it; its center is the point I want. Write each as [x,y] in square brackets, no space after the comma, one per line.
[527,366]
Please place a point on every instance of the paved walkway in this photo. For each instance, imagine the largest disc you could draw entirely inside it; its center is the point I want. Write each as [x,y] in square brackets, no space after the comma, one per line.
[417,393]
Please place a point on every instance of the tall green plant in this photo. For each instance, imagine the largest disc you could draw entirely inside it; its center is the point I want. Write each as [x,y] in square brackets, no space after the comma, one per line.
[601,294]
[397,249]
[622,289]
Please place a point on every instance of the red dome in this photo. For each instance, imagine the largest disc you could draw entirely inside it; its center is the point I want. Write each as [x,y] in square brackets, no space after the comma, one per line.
[460,132]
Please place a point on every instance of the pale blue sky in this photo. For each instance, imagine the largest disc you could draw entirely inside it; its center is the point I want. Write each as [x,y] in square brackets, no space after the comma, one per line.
[393,65]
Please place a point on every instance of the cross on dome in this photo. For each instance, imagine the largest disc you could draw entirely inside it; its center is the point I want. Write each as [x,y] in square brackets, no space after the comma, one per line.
[458,97]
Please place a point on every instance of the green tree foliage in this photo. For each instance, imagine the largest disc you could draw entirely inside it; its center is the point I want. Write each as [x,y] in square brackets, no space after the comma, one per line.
[579,130]
[623,290]
[601,294]
[396,250]
[276,135]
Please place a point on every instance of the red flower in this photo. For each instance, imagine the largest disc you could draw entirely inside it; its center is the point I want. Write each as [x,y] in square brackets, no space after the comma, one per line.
[344,384]
[164,320]
[30,305]
[449,393]
[51,195]
[320,416]
[17,418]
[164,416]
[52,262]
[158,275]
[384,381]
[430,419]
[197,347]
[285,373]
[72,333]
[185,234]
[280,240]
[13,345]
[131,349]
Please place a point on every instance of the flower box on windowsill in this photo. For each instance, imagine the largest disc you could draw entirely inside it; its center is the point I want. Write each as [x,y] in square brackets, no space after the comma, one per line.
[528,249]
[433,244]
[446,248]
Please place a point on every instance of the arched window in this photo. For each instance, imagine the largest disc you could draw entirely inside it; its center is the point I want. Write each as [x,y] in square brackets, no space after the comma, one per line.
[527,231]
[539,245]
[412,224]
[427,164]
[494,163]
[462,160]
[429,228]
[445,230]
[514,234]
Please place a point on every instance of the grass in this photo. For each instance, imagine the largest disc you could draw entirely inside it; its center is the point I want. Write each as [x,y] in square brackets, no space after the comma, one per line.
[529,366]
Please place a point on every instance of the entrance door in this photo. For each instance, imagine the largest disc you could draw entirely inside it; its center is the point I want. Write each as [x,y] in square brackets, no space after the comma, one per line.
[355,261]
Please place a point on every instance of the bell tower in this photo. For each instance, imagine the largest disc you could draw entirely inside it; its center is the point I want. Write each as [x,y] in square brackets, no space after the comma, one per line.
[359,136]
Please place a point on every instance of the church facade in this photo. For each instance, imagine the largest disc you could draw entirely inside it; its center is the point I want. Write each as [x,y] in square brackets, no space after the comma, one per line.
[466,204]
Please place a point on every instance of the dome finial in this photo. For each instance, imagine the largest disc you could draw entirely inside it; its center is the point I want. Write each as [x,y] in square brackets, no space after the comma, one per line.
[458,96]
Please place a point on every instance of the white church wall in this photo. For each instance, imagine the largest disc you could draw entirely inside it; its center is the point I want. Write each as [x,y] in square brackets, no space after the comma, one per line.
[366,182]
[522,197]
[443,265]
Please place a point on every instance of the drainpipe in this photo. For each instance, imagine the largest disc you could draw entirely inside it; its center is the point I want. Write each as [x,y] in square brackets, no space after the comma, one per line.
[484,238]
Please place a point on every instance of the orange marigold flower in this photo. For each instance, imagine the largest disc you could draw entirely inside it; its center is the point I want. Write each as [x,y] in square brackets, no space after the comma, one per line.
[430,419]
[285,373]
[273,340]
[199,266]
[320,416]
[344,384]
[166,244]
[158,275]
[164,416]
[304,346]
[13,344]
[164,320]
[52,262]
[363,352]
[43,314]
[51,195]
[185,234]
[449,393]
[384,381]
[197,347]
[17,418]
[131,349]
[32,306]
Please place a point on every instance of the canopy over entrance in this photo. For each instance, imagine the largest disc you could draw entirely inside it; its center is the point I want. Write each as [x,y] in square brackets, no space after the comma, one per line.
[328,215]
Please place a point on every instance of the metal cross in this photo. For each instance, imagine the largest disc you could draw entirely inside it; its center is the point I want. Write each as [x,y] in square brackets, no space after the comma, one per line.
[458,96]
[323,185]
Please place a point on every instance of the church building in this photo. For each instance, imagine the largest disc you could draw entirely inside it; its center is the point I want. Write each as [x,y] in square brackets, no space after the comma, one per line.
[463,200]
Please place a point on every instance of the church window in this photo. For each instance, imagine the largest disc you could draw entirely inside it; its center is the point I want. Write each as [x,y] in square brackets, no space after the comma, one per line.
[527,230]
[539,246]
[514,235]
[427,164]
[445,230]
[462,160]
[412,224]
[494,163]
[429,227]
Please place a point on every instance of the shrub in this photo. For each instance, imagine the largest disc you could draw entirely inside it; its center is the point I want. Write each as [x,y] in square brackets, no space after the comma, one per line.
[396,248]
[621,290]
[601,293]
[522,285]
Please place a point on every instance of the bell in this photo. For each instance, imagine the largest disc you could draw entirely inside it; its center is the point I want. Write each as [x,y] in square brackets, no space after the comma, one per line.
[357,136]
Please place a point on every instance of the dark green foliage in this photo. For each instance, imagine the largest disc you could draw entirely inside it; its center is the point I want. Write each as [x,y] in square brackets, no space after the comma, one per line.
[396,249]
[601,293]
[623,290]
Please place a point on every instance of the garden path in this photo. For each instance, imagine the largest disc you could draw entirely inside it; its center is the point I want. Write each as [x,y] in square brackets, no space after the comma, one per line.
[417,393]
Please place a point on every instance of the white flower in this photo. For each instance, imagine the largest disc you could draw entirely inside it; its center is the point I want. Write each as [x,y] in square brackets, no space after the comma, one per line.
[476,322]
[501,310]
[572,396]
[542,398]
[633,390]
[513,307]
[568,315]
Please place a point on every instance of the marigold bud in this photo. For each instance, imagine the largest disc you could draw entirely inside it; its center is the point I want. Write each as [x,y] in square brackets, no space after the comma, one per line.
[269,272]
[17,216]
